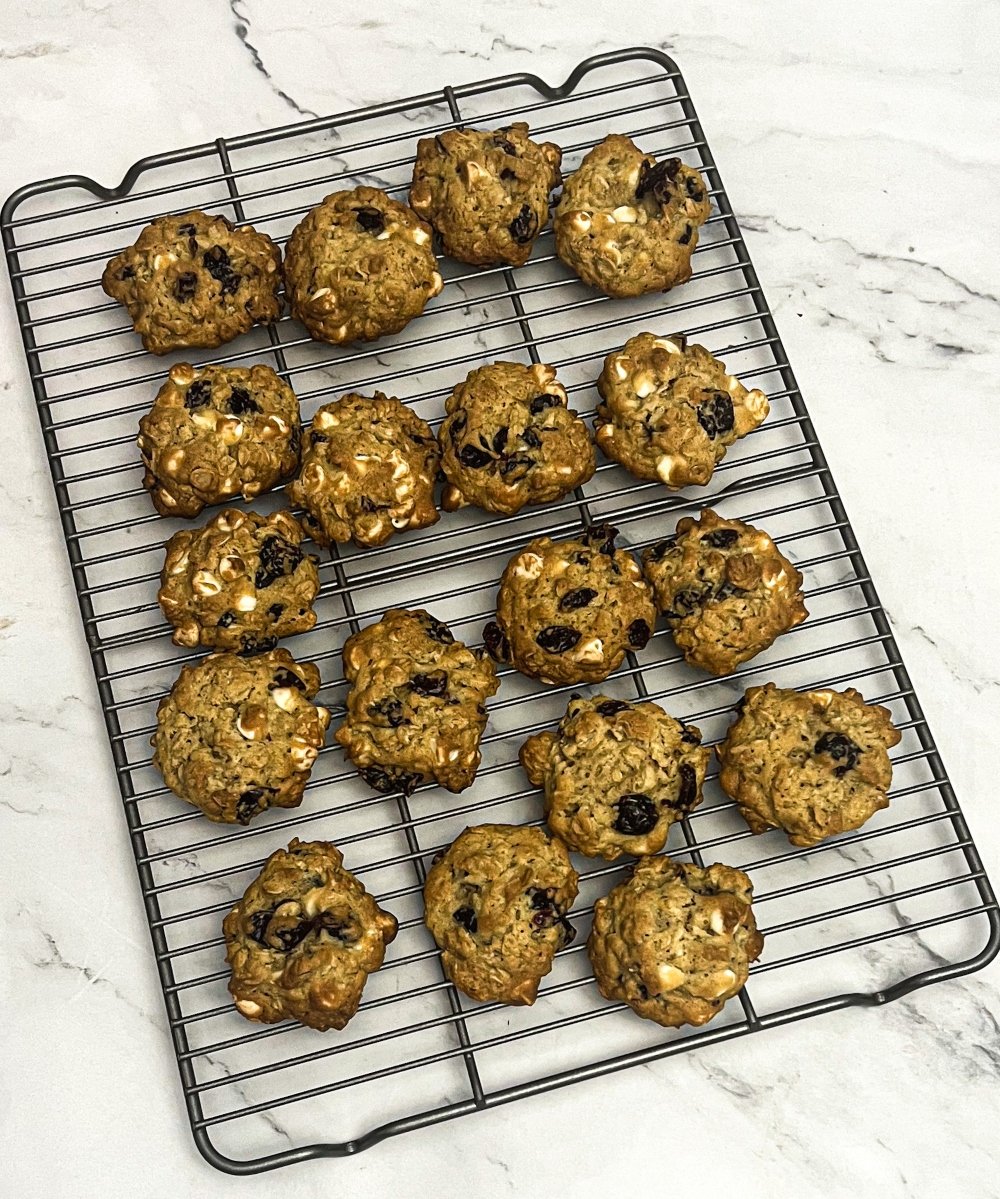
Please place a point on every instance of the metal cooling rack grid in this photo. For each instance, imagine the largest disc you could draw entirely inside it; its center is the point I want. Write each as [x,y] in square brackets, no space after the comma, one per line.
[899,904]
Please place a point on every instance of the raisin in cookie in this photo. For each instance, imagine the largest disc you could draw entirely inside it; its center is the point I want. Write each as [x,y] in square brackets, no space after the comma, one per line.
[495,902]
[627,224]
[568,611]
[417,705]
[236,736]
[304,938]
[358,266]
[239,582]
[670,411]
[616,775]
[196,280]
[675,942]
[217,431]
[486,192]
[509,440]
[368,471]
[814,763]
[725,589]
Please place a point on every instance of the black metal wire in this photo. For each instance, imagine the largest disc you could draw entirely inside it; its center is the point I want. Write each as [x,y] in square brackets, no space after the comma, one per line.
[80,357]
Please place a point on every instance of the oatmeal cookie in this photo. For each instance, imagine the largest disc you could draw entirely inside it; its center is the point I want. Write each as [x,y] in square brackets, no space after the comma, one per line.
[417,705]
[217,431]
[616,775]
[358,266]
[236,736]
[509,439]
[196,281]
[814,763]
[368,471]
[569,611]
[726,590]
[670,411]
[239,582]
[675,942]
[486,192]
[495,902]
[627,224]
[304,938]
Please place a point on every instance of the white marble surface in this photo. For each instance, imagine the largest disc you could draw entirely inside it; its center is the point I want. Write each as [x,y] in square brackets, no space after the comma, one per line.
[858,143]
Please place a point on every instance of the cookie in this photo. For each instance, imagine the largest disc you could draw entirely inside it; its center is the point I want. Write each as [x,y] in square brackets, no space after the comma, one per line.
[675,942]
[237,736]
[358,266]
[569,611]
[196,281]
[495,902]
[814,763]
[726,590]
[368,471]
[485,191]
[304,938]
[670,411]
[509,439]
[217,431]
[239,582]
[616,775]
[627,224]
[417,705]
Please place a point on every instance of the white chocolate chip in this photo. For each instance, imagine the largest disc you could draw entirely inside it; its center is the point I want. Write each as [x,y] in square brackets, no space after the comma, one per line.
[643,384]
[669,977]
[249,1009]
[665,343]
[580,221]
[182,374]
[420,236]
[625,215]
[529,566]
[618,366]
[284,697]
[666,466]
[721,983]
[325,420]
[437,283]
[246,603]
[318,295]
[232,567]
[590,651]
[205,583]
[717,921]
[756,404]
[206,419]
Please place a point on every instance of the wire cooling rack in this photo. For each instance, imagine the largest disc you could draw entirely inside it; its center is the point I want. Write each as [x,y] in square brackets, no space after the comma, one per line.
[863,919]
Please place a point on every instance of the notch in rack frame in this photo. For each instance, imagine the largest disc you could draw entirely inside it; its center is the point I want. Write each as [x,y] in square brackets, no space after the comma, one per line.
[899,904]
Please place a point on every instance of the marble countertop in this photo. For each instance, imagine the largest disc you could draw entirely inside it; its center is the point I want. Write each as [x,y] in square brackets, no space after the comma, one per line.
[858,145]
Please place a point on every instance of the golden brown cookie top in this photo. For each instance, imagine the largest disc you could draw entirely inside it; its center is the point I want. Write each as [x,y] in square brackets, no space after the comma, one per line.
[670,411]
[726,590]
[616,775]
[675,941]
[304,938]
[495,902]
[486,192]
[814,763]
[196,280]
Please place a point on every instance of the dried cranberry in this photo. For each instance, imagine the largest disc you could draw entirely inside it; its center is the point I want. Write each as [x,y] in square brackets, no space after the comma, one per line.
[693,190]
[685,237]
[842,749]
[657,179]
[198,395]
[502,143]
[438,631]
[577,599]
[659,551]
[507,174]
[557,638]
[496,642]
[226,619]
[524,226]
[716,415]
[391,710]
[541,897]
[690,735]
[286,678]
[127,272]
[186,230]
[288,938]
[517,466]
[685,603]
[637,815]
[530,437]
[251,645]
[240,402]
[466,917]
[457,426]
[687,791]
[186,286]
[472,456]
[275,611]
[500,439]
[248,804]
[639,634]
[602,538]
[611,707]
[370,219]
[278,558]
[388,780]
[540,403]
[258,922]
[435,683]
[216,262]
[721,539]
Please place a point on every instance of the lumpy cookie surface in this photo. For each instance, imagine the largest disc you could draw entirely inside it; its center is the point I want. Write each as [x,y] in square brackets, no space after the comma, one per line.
[486,192]
[569,611]
[217,431]
[196,281]
[358,266]
[304,938]
[616,775]
[239,582]
[627,224]
[670,411]
[674,941]
[726,590]
[416,709]
[236,736]
[368,470]
[508,439]
[496,902]
[814,763]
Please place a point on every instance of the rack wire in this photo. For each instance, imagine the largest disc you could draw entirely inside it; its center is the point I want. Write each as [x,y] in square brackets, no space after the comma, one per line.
[862,919]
